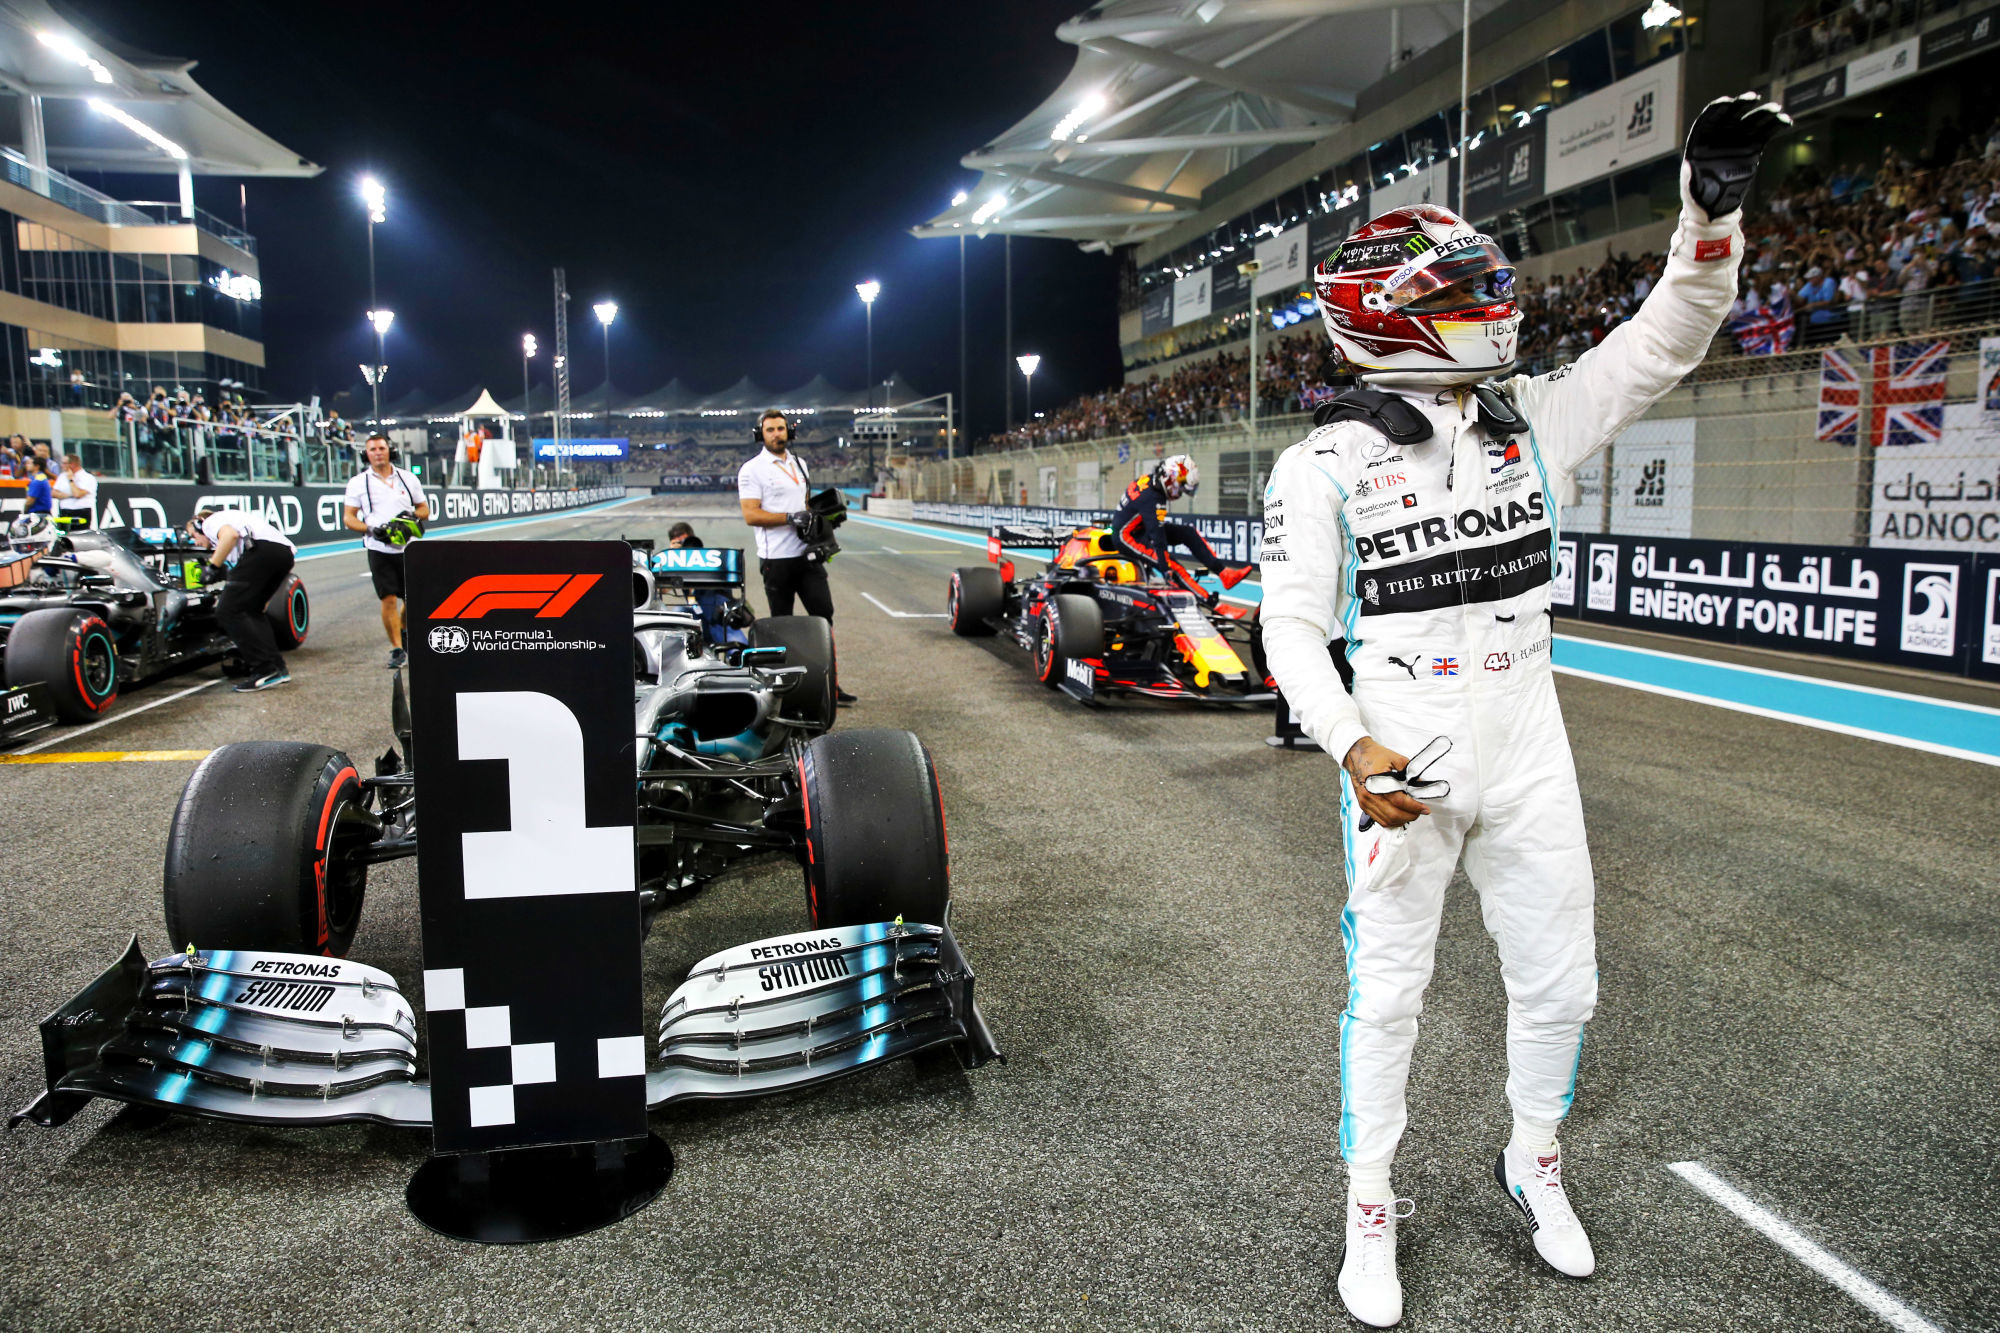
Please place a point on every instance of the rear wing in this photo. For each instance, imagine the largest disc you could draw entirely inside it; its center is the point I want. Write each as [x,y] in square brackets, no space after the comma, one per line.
[1004,537]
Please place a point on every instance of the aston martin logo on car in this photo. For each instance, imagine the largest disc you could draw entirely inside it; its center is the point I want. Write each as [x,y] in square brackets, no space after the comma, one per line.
[547,595]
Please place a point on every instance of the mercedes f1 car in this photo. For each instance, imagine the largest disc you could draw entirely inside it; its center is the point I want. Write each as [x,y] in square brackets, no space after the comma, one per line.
[100,611]
[1096,624]
[266,873]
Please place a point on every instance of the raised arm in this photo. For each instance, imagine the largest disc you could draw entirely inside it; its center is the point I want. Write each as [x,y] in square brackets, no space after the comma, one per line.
[1579,408]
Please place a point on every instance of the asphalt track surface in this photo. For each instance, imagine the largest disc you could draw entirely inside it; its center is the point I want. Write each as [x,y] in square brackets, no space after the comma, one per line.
[1798,946]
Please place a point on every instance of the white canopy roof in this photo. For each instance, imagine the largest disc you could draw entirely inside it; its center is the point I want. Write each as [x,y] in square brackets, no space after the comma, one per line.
[483,406]
[44,53]
[1168,97]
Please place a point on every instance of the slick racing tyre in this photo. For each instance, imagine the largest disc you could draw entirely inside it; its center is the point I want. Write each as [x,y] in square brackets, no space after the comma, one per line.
[290,613]
[70,650]
[976,596]
[875,836]
[1071,629]
[808,643]
[264,851]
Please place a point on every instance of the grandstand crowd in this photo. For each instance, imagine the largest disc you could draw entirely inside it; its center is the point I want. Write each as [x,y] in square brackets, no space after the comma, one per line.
[1861,252]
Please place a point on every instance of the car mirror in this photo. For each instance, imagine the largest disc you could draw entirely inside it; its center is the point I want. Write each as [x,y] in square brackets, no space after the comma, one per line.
[763,657]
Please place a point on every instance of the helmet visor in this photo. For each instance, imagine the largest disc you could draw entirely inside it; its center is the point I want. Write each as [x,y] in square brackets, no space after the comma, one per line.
[1466,276]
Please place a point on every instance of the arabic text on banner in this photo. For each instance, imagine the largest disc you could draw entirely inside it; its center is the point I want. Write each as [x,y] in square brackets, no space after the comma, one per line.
[1281,262]
[1427,185]
[1634,120]
[1942,494]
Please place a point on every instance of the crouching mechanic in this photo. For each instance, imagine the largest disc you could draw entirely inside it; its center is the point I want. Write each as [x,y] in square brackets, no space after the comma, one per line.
[257,558]
[1416,523]
[387,505]
[1142,530]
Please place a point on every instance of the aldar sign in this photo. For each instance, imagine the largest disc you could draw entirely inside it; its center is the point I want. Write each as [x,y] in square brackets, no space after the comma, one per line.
[521,689]
[1634,120]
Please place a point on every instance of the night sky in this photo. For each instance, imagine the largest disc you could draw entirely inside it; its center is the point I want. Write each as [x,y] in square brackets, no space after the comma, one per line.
[725,173]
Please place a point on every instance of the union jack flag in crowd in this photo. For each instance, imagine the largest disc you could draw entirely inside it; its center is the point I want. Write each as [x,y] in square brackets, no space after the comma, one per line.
[1906,399]
[1766,328]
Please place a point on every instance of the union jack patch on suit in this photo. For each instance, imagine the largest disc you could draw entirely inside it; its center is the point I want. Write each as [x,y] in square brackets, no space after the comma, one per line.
[1444,666]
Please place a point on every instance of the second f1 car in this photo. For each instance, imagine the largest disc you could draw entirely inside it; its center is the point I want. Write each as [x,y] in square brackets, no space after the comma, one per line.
[1096,624]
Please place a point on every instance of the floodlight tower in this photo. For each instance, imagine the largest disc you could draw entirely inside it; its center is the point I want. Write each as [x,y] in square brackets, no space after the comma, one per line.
[561,367]
[376,199]
[868,291]
[527,403]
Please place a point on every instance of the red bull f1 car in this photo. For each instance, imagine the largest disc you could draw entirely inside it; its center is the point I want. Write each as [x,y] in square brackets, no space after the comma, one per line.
[1096,624]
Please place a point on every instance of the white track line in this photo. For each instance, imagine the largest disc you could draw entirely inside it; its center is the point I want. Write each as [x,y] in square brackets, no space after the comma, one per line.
[70,734]
[908,615]
[1809,1253]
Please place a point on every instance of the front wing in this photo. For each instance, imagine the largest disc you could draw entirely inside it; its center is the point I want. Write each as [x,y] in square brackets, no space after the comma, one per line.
[292,1039]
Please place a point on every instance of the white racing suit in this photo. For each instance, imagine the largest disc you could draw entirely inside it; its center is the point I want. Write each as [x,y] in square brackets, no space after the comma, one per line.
[1433,561]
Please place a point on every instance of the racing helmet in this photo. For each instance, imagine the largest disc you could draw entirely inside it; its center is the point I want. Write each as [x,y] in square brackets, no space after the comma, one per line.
[1418,290]
[33,532]
[1177,477]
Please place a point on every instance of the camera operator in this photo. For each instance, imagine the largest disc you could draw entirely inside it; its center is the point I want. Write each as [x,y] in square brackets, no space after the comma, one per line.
[773,489]
[387,505]
[257,558]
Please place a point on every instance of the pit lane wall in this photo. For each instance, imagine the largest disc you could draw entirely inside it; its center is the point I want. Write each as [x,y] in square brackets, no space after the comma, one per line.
[311,515]
[1931,610]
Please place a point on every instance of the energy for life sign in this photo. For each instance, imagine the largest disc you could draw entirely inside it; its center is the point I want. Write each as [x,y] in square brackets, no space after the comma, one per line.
[521,697]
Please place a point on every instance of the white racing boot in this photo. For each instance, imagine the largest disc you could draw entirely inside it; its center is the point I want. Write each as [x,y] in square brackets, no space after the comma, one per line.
[1533,1181]
[1369,1286]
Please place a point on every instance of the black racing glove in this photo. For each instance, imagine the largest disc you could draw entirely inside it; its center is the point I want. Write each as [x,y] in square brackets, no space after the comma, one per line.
[378,533]
[1723,146]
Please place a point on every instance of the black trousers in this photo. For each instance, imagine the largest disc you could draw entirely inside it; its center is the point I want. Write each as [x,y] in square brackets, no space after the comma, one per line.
[797,576]
[259,573]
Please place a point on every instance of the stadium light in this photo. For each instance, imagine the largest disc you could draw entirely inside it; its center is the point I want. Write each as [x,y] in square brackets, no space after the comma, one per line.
[958,198]
[139,127]
[1658,15]
[990,209]
[868,291]
[63,46]
[1029,364]
[1081,112]
[606,312]
[527,394]
[376,199]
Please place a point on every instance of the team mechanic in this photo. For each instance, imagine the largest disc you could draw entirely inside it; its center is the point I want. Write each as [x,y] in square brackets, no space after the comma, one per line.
[1142,530]
[1417,523]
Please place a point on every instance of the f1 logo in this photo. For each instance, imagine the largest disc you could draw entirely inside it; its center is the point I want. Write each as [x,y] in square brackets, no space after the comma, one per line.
[547,595]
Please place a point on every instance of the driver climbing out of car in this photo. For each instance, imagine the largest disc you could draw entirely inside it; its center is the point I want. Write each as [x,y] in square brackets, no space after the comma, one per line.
[256,559]
[1416,524]
[1142,530]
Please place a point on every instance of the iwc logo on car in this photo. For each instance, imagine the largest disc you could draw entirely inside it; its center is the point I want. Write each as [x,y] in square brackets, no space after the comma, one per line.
[449,639]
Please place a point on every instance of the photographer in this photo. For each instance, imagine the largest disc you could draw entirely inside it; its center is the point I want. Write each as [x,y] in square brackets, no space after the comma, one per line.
[387,505]
[257,558]
[773,489]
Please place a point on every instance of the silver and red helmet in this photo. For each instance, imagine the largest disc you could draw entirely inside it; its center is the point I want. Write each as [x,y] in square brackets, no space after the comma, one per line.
[1418,290]
[1177,476]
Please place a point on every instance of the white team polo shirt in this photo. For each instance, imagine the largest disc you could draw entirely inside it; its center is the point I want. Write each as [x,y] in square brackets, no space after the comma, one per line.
[376,501]
[780,486]
[251,530]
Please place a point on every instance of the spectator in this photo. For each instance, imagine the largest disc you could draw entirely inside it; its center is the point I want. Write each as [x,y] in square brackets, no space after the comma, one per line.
[76,494]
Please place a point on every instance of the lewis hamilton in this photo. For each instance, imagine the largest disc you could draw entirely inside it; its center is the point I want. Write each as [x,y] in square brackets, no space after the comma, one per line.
[1417,524]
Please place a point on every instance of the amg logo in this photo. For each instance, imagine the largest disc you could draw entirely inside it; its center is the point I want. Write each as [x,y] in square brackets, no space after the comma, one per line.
[824,967]
[795,946]
[302,996]
[286,968]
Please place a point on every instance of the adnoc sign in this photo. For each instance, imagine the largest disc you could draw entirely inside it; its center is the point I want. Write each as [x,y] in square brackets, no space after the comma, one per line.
[1634,120]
